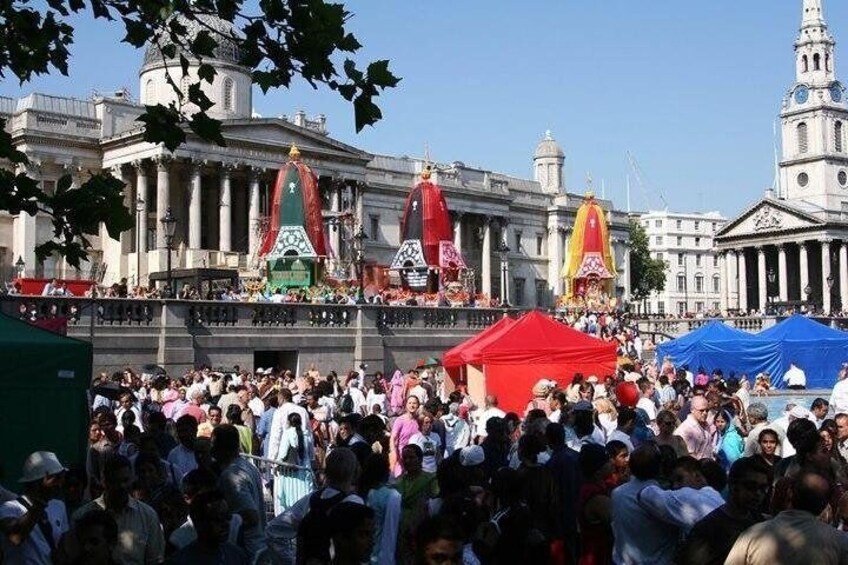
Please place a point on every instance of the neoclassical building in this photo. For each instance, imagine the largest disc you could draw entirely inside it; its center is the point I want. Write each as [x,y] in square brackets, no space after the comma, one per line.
[792,245]
[220,195]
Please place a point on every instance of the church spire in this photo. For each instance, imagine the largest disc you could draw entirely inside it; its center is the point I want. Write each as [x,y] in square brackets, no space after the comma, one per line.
[814,48]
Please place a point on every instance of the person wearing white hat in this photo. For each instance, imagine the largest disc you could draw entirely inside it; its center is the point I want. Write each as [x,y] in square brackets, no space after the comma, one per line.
[33,524]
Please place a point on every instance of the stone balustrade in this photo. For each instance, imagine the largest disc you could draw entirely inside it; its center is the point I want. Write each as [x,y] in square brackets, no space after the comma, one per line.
[669,328]
[183,334]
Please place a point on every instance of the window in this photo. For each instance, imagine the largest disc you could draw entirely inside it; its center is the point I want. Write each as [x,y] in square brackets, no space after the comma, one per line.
[715,261]
[657,223]
[680,259]
[697,225]
[837,137]
[539,244]
[716,284]
[661,308]
[517,236]
[699,307]
[680,224]
[681,309]
[697,242]
[803,140]
[374,234]
[229,88]
[149,91]
[715,227]
[659,240]
[518,286]
[681,283]
[816,62]
[805,63]
[185,82]
[679,241]
[699,283]
[698,260]
[716,306]
[660,256]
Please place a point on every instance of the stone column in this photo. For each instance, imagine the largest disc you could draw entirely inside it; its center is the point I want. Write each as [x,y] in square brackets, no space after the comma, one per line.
[336,231]
[825,263]
[843,276]
[225,226]
[743,282]
[803,266]
[626,271]
[486,268]
[723,281]
[253,214]
[782,276]
[24,228]
[457,230]
[113,256]
[163,197]
[761,278]
[554,257]
[141,206]
[195,219]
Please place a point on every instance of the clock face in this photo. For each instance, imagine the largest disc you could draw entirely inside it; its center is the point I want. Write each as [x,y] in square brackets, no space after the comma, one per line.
[802,94]
[836,92]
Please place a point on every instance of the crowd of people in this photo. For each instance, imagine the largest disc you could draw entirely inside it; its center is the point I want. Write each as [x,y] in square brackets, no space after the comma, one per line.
[654,464]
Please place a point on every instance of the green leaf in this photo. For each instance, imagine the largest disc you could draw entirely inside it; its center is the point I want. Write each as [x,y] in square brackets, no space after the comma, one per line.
[203,44]
[207,128]
[138,34]
[379,74]
[162,125]
[207,72]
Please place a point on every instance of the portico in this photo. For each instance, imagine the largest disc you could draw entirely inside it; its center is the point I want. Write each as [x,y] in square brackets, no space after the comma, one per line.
[776,253]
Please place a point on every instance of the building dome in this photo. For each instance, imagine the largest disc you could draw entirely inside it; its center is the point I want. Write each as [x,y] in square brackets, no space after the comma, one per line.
[231,91]
[548,148]
[226,52]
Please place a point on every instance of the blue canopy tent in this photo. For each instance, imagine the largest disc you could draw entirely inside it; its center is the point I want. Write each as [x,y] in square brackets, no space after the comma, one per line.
[816,348]
[715,345]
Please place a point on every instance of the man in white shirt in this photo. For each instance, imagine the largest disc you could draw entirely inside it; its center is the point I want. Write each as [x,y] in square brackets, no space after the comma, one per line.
[491,410]
[32,524]
[280,421]
[795,377]
[839,395]
[646,400]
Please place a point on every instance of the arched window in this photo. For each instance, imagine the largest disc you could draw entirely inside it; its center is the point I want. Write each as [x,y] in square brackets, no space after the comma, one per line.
[149,91]
[816,62]
[185,82]
[837,137]
[803,138]
[805,63]
[229,88]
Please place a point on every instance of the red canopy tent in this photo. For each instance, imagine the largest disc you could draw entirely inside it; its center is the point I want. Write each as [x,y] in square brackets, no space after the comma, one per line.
[469,349]
[508,363]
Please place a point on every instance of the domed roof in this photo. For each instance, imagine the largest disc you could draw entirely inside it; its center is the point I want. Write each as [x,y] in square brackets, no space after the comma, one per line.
[548,147]
[227,51]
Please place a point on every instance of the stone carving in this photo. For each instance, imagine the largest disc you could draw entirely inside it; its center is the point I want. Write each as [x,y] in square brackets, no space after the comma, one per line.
[767,219]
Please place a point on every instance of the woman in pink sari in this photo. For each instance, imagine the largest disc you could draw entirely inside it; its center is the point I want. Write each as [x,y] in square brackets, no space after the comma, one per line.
[403,429]
[396,390]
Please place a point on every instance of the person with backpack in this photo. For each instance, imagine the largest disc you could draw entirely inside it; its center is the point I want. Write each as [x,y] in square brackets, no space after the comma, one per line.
[308,521]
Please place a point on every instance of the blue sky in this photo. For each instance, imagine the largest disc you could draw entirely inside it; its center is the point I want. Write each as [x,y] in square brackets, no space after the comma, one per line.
[691,89]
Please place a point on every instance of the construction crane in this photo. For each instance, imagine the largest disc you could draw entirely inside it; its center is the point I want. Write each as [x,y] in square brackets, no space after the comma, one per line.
[639,175]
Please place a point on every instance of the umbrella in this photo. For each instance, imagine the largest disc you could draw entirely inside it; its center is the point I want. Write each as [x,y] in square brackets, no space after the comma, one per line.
[428,362]
[112,391]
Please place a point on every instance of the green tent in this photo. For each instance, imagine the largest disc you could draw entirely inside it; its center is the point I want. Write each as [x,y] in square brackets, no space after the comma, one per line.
[43,400]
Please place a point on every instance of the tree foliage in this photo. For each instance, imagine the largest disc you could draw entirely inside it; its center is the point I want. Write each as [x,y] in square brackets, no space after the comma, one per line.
[280,40]
[647,274]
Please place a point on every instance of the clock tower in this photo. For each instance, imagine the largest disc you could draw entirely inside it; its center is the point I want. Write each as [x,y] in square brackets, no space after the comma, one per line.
[814,164]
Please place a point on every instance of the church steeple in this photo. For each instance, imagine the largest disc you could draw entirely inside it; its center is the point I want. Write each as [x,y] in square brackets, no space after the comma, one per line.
[814,48]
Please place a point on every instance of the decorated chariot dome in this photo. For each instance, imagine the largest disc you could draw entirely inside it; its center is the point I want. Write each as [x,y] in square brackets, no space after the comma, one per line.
[294,244]
[427,254]
[589,269]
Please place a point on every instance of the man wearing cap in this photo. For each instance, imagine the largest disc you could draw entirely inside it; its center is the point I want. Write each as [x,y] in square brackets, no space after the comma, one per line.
[33,524]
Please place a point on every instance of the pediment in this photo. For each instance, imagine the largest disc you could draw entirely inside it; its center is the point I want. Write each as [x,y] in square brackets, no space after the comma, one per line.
[273,132]
[768,216]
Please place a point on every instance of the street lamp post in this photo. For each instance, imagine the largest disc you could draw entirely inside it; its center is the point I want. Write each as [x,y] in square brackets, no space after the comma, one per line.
[503,251]
[139,209]
[20,267]
[169,225]
[829,281]
[770,277]
[359,246]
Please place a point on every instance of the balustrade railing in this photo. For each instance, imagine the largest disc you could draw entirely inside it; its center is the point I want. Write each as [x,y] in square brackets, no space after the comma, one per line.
[143,312]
